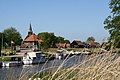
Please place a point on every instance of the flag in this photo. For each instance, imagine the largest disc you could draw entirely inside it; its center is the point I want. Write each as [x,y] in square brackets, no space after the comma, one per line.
[12,42]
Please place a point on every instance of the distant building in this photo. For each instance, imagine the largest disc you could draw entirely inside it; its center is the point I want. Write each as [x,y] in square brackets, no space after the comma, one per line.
[77,44]
[63,45]
[32,40]
[105,44]
[93,44]
[30,32]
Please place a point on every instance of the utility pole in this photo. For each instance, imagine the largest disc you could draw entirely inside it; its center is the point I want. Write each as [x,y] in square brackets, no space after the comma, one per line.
[2,48]
[0,43]
[2,40]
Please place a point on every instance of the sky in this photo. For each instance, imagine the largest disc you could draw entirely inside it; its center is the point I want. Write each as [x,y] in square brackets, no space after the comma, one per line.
[71,19]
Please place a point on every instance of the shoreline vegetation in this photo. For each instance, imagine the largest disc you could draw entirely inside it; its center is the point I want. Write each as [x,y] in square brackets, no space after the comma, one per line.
[94,67]
[97,66]
[102,64]
[51,51]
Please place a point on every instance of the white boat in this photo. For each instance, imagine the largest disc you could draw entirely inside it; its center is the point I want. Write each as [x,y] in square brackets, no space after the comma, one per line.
[58,56]
[86,51]
[63,53]
[11,64]
[33,58]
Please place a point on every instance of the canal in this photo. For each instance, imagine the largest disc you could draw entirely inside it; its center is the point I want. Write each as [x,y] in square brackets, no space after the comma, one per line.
[11,73]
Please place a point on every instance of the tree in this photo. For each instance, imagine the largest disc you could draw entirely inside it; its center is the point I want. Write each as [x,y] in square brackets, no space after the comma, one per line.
[60,39]
[11,34]
[90,39]
[48,38]
[67,41]
[112,22]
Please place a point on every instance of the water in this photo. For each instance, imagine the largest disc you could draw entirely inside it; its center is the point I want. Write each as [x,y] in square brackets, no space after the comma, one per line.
[17,72]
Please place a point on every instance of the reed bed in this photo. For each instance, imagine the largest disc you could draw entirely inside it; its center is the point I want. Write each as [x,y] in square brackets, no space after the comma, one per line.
[97,66]
[105,66]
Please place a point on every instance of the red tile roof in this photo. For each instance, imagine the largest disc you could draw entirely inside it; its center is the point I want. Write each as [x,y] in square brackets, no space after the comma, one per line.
[40,41]
[32,38]
[63,45]
[92,43]
[78,42]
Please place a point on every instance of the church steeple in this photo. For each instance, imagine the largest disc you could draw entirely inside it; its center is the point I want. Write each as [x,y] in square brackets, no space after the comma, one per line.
[30,32]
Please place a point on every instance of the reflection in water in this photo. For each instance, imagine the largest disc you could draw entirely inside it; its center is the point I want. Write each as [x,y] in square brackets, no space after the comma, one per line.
[17,72]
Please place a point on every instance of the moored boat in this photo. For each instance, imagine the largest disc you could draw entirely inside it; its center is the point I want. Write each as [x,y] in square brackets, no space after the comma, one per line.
[33,58]
[11,64]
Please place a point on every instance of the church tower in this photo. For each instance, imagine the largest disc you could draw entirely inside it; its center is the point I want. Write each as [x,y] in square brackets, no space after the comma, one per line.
[30,32]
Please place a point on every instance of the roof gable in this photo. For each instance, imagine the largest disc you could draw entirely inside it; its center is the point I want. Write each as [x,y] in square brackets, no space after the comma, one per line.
[77,42]
[32,37]
[92,43]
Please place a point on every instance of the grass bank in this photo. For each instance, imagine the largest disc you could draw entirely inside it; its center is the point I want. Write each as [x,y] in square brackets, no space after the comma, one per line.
[105,66]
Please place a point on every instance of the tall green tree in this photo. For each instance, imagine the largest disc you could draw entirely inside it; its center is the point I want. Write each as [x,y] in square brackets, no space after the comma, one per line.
[112,22]
[90,39]
[11,34]
[60,39]
[48,38]
[67,41]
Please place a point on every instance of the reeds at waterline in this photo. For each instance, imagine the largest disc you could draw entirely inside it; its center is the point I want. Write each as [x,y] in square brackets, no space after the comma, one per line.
[97,66]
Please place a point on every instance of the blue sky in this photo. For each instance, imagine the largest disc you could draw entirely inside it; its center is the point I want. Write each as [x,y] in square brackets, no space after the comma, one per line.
[72,19]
